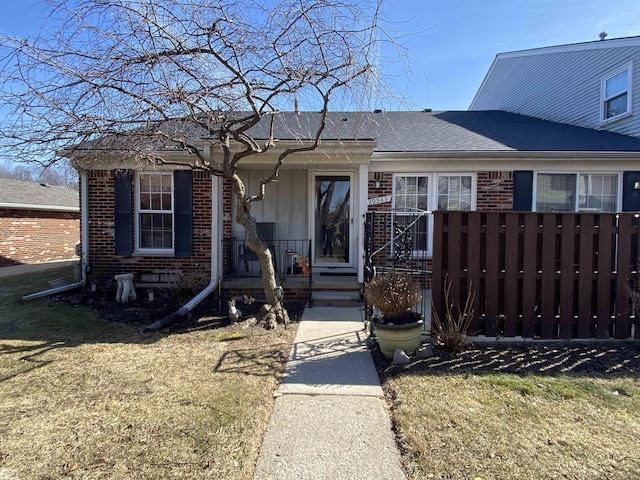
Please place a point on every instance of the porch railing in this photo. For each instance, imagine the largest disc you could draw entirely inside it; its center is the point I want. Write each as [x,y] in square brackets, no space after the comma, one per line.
[291,260]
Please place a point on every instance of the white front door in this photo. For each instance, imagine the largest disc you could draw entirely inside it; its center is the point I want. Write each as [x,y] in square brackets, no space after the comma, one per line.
[332,220]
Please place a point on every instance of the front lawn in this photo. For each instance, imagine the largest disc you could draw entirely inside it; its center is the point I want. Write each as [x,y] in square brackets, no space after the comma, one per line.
[534,413]
[85,398]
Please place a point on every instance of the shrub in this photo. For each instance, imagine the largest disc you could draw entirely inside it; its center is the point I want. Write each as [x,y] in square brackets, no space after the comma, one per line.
[452,331]
[393,294]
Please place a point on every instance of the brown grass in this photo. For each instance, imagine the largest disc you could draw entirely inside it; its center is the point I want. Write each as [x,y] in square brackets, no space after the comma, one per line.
[84,398]
[458,420]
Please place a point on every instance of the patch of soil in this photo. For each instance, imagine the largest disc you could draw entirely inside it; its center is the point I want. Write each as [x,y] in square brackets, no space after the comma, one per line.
[593,359]
[212,311]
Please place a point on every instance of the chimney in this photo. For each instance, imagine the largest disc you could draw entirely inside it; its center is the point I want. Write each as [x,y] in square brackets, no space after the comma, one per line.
[603,35]
[295,105]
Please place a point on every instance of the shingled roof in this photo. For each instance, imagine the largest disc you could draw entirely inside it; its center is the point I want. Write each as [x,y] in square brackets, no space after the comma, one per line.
[452,131]
[37,196]
[412,131]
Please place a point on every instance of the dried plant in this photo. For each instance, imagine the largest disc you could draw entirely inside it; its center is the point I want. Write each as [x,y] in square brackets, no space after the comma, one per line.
[186,285]
[393,294]
[453,331]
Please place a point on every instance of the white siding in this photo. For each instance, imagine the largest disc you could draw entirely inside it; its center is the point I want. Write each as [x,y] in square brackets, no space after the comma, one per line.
[285,203]
[561,86]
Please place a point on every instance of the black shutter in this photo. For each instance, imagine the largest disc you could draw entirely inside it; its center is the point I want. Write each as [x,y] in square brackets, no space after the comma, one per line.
[630,195]
[183,212]
[523,190]
[122,212]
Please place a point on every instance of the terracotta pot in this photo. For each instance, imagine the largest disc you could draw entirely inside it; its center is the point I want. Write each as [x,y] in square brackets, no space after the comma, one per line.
[405,336]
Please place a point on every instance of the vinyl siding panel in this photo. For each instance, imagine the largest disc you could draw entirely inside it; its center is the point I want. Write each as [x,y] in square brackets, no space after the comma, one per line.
[560,86]
[285,203]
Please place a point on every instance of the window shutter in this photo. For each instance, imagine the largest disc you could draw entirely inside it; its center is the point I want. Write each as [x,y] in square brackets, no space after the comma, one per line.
[523,190]
[122,212]
[630,196]
[183,212]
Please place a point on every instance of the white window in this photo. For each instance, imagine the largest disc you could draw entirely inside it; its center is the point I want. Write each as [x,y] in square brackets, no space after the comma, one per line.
[616,94]
[154,212]
[410,200]
[413,195]
[581,192]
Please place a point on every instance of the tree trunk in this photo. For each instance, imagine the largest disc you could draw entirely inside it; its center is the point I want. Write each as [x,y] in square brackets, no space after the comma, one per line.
[261,249]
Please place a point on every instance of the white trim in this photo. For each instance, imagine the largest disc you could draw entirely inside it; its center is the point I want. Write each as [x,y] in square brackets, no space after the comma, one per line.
[603,97]
[137,250]
[28,206]
[574,47]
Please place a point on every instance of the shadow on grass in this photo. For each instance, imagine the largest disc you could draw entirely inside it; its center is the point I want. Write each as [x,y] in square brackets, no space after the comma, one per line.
[261,362]
[616,359]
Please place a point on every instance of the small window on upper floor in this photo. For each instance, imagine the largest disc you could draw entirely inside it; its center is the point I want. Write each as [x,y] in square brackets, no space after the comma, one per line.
[616,94]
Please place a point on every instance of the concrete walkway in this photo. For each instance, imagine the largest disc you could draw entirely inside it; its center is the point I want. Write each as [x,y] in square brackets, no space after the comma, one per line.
[329,419]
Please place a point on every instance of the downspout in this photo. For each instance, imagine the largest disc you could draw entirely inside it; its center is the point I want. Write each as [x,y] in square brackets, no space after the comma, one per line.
[215,279]
[84,243]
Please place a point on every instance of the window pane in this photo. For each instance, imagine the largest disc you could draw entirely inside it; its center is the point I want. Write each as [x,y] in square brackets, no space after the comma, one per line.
[598,193]
[555,192]
[454,192]
[616,106]
[616,84]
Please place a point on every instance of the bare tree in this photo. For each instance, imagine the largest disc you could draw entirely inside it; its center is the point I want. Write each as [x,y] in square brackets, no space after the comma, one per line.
[145,76]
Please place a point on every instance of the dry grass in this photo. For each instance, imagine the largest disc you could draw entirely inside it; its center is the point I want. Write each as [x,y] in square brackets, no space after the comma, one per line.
[83,398]
[454,422]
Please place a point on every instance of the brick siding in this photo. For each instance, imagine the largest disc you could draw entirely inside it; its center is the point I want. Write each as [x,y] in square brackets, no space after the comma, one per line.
[495,191]
[37,236]
[102,258]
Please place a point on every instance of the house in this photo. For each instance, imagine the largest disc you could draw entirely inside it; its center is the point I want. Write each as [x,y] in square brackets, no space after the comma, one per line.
[593,85]
[38,222]
[154,221]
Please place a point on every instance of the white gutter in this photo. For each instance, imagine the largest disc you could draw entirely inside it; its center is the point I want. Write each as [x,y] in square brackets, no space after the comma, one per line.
[30,206]
[84,244]
[215,280]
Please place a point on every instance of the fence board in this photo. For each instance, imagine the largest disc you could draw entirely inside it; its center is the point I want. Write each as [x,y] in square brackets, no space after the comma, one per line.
[604,274]
[492,254]
[438,272]
[529,274]
[567,269]
[623,277]
[474,231]
[511,273]
[585,278]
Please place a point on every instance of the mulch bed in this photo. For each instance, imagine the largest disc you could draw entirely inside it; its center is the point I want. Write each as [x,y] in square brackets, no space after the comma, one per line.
[212,311]
[602,358]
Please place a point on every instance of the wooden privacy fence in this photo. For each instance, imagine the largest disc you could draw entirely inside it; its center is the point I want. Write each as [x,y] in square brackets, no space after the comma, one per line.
[539,275]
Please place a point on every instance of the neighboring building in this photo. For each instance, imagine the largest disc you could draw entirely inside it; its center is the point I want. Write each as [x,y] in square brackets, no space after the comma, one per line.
[38,223]
[593,84]
[151,221]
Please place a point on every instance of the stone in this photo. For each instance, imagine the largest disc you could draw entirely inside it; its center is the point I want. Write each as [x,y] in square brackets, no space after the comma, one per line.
[425,351]
[400,358]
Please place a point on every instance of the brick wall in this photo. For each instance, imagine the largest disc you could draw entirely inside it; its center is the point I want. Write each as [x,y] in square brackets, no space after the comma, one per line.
[101,233]
[37,236]
[495,191]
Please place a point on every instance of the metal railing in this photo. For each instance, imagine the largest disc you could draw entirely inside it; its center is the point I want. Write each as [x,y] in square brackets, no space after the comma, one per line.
[397,242]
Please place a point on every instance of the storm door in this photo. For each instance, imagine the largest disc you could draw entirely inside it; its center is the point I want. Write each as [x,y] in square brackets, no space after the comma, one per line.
[333,234]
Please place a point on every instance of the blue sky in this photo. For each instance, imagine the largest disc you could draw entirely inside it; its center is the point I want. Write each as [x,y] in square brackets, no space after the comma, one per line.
[455,41]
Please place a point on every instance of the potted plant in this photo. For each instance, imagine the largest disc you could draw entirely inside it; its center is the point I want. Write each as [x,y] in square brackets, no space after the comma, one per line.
[397,325]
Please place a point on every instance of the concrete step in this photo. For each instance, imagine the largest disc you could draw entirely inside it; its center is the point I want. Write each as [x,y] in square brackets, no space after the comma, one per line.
[334,298]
